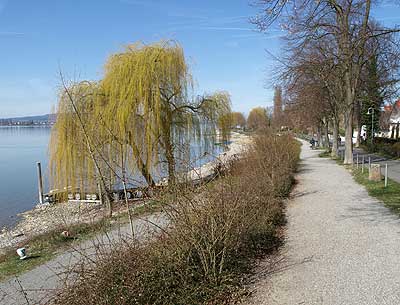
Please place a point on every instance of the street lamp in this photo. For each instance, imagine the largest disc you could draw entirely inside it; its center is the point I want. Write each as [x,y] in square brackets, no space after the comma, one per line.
[372,112]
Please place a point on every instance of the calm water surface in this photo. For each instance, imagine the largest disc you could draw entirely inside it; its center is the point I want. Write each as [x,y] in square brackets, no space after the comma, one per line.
[20,149]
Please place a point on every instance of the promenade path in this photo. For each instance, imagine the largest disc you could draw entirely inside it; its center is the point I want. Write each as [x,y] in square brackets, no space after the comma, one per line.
[342,246]
[37,286]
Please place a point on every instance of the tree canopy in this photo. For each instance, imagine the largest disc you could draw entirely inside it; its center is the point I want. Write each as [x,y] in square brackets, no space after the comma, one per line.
[238,120]
[133,120]
[337,34]
[257,118]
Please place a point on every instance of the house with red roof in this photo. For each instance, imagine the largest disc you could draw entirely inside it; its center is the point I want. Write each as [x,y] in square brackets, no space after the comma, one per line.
[390,120]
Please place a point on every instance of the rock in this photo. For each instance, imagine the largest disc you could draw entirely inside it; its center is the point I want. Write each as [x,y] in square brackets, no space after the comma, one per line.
[375,173]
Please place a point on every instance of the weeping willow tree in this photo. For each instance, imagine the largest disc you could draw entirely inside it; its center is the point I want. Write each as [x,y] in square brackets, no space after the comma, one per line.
[135,118]
[76,161]
[149,88]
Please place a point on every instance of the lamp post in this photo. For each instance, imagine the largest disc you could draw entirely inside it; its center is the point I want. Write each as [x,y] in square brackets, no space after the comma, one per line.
[371,111]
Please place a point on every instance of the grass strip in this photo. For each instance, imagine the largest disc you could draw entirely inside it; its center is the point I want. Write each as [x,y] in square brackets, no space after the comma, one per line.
[389,195]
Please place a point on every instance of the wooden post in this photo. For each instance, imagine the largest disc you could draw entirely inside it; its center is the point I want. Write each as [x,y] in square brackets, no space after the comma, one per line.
[357,161]
[100,193]
[362,165]
[40,182]
[369,164]
[386,175]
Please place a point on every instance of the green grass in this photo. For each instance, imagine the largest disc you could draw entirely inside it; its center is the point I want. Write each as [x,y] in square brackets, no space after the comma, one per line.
[325,154]
[13,266]
[44,247]
[390,195]
[338,160]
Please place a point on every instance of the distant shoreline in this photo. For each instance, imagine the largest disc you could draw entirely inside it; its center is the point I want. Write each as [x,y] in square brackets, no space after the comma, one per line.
[33,120]
[32,126]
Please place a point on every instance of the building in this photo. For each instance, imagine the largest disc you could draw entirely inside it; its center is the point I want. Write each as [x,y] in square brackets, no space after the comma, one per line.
[390,120]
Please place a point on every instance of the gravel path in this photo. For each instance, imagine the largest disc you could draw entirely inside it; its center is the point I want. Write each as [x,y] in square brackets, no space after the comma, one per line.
[39,283]
[342,247]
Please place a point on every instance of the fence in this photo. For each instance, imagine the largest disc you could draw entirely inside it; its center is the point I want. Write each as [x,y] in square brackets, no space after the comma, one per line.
[363,163]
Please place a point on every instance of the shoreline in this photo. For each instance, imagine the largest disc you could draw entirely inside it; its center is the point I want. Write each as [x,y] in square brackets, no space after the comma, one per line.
[40,220]
[26,126]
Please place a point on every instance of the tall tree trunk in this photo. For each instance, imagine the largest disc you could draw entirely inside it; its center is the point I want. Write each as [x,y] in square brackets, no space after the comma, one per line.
[142,166]
[335,145]
[357,115]
[326,131]
[169,147]
[124,180]
[348,121]
[169,155]
[358,143]
[319,138]
[348,118]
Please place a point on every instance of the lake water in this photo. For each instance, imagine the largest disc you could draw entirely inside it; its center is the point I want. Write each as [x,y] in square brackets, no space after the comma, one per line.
[20,149]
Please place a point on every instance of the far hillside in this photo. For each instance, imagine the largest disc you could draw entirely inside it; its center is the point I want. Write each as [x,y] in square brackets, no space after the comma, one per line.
[45,119]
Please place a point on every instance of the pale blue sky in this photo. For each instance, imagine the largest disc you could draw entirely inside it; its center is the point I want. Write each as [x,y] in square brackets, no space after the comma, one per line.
[223,49]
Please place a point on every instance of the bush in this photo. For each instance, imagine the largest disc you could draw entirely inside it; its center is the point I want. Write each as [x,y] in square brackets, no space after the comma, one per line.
[215,233]
[396,149]
[385,146]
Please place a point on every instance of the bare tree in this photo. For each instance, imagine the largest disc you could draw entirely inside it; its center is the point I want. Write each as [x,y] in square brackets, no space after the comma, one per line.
[313,82]
[278,107]
[257,118]
[345,23]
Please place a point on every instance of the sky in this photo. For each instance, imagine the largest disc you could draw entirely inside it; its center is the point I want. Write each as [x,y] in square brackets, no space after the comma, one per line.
[225,52]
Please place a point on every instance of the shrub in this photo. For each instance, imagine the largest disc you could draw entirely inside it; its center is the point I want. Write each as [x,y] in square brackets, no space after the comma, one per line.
[386,146]
[215,233]
[396,149]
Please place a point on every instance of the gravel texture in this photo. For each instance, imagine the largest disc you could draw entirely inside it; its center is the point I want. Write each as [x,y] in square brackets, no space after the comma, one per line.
[342,246]
[46,218]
